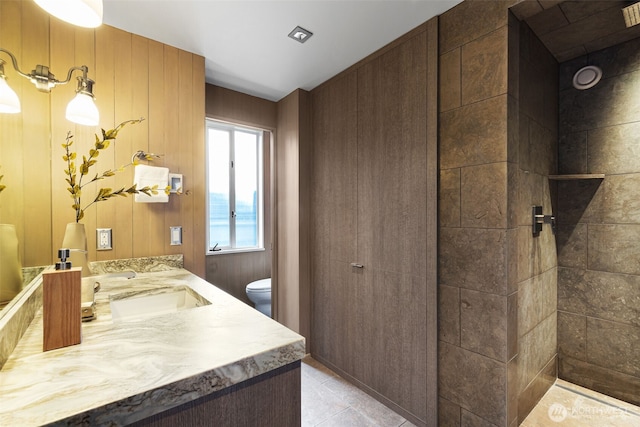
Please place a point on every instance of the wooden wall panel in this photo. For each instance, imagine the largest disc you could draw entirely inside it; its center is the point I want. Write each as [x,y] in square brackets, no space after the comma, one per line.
[386,309]
[141,212]
[135,77]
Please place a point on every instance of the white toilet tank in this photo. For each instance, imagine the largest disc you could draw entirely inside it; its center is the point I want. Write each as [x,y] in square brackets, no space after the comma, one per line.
[259,292]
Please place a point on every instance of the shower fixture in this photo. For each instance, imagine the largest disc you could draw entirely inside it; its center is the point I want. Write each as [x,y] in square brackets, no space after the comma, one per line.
[587,77]
[538,219]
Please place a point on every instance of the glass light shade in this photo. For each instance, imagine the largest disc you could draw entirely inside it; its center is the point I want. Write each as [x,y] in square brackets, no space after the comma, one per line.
[83,13]
[9,102]
[83,111]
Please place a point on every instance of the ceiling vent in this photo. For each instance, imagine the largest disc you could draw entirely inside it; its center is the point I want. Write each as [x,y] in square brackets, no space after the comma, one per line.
[631,15]
[301,35]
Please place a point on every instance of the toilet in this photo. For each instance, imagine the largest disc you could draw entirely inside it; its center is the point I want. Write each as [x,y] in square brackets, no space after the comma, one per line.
[259,292]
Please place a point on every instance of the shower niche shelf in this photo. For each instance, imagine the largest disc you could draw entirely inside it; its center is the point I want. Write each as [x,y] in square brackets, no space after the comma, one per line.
[568,177]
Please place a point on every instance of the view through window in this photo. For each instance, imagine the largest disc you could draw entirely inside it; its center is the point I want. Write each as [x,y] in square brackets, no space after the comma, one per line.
[234,169]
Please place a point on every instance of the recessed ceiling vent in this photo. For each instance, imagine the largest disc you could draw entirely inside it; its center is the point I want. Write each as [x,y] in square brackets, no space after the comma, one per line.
[301,35]
[631,15]
[587,77]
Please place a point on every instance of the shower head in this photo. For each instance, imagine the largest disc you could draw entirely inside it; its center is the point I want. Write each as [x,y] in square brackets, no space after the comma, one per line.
[587,77]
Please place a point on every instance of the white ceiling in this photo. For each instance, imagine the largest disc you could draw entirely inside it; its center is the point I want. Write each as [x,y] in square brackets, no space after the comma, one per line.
[245,43]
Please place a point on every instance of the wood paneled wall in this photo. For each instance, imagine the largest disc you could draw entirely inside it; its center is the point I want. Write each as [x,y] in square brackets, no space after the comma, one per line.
[135,77]
[293,150]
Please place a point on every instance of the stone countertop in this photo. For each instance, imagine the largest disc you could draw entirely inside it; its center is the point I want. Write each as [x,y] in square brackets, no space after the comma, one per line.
[126,371]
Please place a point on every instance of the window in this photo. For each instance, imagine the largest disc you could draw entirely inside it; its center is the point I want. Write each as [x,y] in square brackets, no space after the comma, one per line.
[234,179]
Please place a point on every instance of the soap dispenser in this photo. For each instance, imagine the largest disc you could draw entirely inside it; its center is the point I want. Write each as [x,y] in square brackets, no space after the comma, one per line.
[61,307]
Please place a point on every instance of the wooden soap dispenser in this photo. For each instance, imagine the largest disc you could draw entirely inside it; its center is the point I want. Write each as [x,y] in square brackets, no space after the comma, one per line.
[61,306]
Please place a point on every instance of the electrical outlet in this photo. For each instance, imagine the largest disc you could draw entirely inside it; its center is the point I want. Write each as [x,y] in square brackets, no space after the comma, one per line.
[176,236]
[103,239]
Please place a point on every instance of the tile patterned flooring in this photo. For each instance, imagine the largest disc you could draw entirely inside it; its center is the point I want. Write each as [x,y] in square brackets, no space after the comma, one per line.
[569,405]
[330,401]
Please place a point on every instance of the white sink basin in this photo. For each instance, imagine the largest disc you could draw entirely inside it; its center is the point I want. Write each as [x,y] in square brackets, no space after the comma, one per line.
[132,306]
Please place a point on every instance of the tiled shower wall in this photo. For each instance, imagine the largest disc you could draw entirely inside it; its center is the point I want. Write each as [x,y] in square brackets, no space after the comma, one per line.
[599,238]
[535,363]
[497,284]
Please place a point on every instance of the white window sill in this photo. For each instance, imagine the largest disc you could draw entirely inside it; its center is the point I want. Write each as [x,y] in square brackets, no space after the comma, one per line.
[235,251]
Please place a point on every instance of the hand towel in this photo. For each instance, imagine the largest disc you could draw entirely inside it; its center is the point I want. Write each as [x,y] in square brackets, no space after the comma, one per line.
[149,176]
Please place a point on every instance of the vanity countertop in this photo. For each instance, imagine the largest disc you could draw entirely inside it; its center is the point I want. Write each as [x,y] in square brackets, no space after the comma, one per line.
[129,370]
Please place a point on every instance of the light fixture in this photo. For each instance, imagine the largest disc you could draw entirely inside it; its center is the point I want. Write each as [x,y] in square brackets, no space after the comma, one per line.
[83,13]
[301,35]
[82,109]
[587,77]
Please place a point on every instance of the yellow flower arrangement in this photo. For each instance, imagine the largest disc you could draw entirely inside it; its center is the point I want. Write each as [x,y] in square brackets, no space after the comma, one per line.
[76,183]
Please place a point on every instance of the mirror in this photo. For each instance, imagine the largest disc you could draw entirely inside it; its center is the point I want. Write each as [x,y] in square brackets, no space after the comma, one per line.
[25,137]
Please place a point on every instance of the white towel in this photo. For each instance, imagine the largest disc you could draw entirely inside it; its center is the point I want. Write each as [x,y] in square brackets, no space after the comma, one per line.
[149,176]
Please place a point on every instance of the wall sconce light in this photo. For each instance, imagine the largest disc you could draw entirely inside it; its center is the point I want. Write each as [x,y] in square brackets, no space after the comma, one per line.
[83,13]
[82,109]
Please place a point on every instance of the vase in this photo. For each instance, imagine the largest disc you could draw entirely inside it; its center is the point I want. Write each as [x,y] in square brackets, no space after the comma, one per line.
[10,266]
[75,239]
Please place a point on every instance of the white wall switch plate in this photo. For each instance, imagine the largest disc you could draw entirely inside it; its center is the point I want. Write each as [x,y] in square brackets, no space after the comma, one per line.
[176,235]
[103,239]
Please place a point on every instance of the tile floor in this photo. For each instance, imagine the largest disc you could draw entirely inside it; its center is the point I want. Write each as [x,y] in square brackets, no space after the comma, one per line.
[328,400]
[569,405]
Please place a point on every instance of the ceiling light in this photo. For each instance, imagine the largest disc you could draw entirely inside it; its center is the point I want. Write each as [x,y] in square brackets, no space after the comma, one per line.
[631,15]
[81,109]
[83,13]
[301,35]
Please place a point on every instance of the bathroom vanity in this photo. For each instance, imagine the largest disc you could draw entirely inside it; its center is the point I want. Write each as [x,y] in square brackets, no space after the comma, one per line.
[205,358]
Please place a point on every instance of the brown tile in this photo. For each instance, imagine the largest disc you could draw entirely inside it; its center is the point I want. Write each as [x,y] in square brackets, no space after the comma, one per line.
[617,201]
[612,383]
[542,151]
[547,21]
[612,150]
[572,335]
[449,198]
[448,413]
[484,196]
[474,134]
[512,260]
[513,128]
[484,67]
[613,345]
[469,419]
[529,193]
[513,55]
[609,296]
[537,299]
[512,194]
[582,31]
[583,109]
[512,391]
[619,59]
[450,80]
[575,198]
[614,248]
[572,153]
[483,324]
[471,20]
[526,9]
[577,11]
[535,254]
[449,314]
[536,349]
[572,245]
[531,395]
[476,382]
[473,259]
[512,325]
[597,45]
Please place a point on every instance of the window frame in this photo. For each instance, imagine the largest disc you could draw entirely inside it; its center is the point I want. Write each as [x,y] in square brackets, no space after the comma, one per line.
[232,128]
